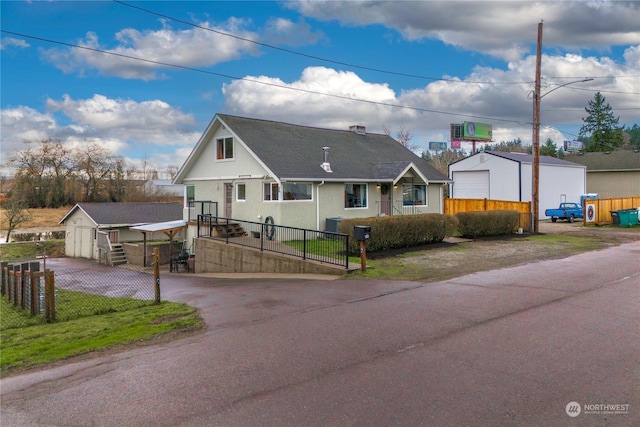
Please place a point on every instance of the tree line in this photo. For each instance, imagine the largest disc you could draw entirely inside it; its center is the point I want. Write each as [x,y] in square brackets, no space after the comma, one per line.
[50,174]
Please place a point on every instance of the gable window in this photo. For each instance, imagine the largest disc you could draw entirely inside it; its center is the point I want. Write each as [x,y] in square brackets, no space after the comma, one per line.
[224,148]
[414,194]
[270,190]
[355,195]
[241,192]
[296,191]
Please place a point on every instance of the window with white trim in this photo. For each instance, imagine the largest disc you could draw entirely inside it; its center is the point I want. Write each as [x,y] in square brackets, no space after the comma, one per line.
[224,148]
[414,194]
[270,190]
[241,192]
[297,191]
[355,195]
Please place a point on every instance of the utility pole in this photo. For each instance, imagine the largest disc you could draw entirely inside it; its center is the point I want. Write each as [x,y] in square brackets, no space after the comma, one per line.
[536,137]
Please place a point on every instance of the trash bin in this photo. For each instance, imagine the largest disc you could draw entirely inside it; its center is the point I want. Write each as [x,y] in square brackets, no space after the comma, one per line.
[615,217]
[625,217]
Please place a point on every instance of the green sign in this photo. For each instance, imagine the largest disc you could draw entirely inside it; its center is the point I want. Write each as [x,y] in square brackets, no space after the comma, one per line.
[478,131]
[437,146]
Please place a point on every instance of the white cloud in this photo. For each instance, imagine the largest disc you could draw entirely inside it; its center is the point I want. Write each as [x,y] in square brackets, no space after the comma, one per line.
[281,31]
[508,107]
[7,42]
[153,128]
[195,47]
[505,29]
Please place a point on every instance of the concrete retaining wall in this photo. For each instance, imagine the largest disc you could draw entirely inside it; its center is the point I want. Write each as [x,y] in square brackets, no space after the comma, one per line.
[213,256]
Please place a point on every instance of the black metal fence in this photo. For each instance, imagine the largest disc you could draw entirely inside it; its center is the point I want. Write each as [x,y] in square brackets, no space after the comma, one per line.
[201,207]
[322,246]
[65,291]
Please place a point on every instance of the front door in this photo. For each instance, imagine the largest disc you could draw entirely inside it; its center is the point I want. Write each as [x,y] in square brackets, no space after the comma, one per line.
[228,198]
[385,199]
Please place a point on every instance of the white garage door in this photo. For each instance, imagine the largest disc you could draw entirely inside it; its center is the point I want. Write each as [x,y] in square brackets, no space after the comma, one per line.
[471,185]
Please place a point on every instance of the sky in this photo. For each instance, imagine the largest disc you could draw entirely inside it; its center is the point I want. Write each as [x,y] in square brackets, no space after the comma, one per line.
[145,78]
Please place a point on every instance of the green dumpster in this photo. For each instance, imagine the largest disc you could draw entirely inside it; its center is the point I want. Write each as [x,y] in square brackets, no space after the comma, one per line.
[625,217]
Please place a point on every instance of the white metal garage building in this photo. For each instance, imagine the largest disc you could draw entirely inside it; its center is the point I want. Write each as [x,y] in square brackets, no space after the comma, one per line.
[508,176]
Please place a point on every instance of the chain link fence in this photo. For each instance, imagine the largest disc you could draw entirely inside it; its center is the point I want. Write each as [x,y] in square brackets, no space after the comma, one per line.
[33,292]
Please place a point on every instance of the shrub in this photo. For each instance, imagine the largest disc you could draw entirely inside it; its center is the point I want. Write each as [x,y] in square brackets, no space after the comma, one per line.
[487,223]
[400,231]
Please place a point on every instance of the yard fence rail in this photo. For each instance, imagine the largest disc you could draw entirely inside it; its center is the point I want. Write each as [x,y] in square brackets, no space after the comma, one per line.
[322,246]
[604,207]
[453,206]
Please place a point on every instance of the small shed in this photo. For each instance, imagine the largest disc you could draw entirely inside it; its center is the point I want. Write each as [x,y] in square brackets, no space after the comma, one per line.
[85,222]
[509,176]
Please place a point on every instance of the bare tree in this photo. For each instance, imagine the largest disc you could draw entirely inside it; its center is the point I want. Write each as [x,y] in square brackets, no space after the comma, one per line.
[42,171]
[94,166]
[16,214]
[403,137]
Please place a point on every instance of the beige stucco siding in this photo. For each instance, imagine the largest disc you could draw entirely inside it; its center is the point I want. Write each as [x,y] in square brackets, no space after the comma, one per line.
[207,166]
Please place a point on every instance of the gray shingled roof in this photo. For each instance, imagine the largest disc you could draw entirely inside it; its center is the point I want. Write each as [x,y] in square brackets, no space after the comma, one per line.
[295,152]
[620,160]
[105,214]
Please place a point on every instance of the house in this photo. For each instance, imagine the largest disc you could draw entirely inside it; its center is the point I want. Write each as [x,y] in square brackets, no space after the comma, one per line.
[611,174]
[508,176]
[302,176]
[89,226]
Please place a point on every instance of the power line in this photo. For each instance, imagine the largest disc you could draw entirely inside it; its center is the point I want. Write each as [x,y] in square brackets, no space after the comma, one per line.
[182,67]
[306,55]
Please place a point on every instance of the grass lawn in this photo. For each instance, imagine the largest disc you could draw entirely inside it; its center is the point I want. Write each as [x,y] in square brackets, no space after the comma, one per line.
[85,323]
[39,343]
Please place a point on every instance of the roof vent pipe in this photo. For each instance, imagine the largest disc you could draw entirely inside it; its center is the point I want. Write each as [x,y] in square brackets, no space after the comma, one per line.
[326,166]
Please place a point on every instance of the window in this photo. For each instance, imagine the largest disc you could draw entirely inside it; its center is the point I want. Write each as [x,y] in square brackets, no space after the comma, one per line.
[271,191]
[191,194]
[224,148]
[414,194]
[241,192]
[294,191]
[355,196]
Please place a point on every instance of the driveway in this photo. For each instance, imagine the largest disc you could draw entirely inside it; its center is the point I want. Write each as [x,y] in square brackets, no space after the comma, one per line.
[514,346]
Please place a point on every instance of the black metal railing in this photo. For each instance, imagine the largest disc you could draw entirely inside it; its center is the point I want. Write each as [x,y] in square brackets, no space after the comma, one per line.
[201,207]
[322,246]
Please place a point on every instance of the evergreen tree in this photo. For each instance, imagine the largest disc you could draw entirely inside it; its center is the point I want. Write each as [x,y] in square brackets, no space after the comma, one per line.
[600,131]
[549,149]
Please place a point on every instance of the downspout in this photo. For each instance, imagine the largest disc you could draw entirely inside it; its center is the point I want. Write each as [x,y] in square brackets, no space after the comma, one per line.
[519,181]
[318,205]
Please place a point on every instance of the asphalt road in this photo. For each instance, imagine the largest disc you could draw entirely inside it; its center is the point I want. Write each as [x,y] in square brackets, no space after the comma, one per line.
[508,347]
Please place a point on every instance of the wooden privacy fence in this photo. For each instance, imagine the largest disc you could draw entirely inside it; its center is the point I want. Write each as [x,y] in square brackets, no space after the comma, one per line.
[605,206]
[453,206]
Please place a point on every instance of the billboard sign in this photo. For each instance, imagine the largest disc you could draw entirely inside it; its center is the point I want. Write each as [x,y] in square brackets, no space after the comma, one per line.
[456,144]
[437,146]
[573,146]
[478,131]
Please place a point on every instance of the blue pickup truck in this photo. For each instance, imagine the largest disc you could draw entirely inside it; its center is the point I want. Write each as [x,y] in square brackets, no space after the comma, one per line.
[567,211]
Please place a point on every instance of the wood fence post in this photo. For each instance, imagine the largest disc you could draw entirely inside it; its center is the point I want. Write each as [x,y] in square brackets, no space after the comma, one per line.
[34,269]
[156,273]
[49,297]
[5,277]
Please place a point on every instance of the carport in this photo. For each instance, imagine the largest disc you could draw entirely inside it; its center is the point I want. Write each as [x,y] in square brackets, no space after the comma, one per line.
[170,228]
